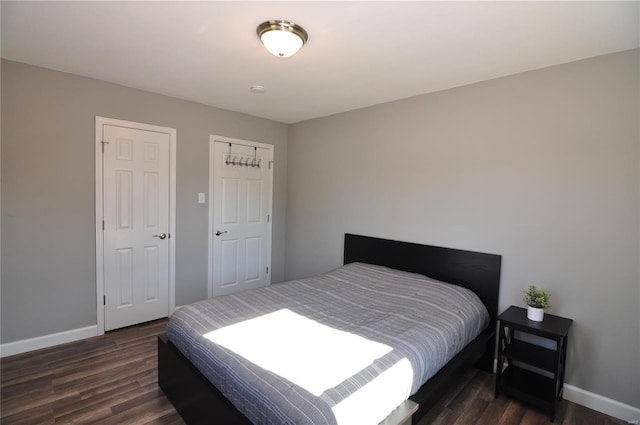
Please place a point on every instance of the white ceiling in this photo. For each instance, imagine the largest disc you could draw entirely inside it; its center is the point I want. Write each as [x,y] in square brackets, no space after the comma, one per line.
[359,53]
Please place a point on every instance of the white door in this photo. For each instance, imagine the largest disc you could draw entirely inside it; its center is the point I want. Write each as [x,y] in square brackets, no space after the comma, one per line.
[240,222]
[136,222]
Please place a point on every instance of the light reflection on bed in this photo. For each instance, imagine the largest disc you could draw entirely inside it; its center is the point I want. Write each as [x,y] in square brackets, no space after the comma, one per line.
[317,357]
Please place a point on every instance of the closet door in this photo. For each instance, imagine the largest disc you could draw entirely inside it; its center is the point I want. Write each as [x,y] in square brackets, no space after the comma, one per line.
[240,231]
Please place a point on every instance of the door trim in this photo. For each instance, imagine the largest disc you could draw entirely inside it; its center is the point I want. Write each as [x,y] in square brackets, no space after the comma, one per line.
[212,139]
[100,122]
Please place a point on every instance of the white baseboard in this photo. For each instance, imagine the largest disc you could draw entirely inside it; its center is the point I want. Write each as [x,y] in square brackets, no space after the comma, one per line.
[602,404]
[45,341]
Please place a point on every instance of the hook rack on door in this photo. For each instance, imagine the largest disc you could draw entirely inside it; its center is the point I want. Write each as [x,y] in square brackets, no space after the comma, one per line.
[243,161]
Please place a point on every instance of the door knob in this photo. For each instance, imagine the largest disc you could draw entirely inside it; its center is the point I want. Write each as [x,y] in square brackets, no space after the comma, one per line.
[161,236]
[218,232]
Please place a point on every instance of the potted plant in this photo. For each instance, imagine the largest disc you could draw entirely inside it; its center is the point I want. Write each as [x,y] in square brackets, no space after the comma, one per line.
[537,300]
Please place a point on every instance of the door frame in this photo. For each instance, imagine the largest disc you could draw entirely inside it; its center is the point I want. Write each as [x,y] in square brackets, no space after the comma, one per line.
[99,193]
[212,139]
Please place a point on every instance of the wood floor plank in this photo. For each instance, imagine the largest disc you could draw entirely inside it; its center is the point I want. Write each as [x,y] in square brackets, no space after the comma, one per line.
[113,379]
[40,415]
[533,417]
[512,414]
[492,413]
[472,411]
[84,407]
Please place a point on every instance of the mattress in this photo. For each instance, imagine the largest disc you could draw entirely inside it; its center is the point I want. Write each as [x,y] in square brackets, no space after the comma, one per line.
[343,348]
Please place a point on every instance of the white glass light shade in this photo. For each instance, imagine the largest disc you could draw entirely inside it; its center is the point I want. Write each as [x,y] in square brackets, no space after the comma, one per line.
[282,38]
[281,43]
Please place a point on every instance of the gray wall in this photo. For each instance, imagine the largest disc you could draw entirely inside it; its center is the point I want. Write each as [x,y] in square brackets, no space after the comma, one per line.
[541,167]
[48,212]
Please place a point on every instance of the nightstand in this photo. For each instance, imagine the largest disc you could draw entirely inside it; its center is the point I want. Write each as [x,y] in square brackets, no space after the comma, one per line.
[535,368]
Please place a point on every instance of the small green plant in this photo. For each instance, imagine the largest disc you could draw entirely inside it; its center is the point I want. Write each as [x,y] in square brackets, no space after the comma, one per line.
[537,298]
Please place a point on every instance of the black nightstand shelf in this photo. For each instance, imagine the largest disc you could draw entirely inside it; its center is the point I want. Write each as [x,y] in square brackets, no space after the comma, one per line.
[534,373]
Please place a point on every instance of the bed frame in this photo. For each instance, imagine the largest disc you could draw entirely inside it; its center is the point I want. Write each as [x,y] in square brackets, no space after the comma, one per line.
[195,398]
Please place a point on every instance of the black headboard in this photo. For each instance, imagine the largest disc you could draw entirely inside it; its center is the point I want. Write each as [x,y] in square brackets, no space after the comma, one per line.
[477,271]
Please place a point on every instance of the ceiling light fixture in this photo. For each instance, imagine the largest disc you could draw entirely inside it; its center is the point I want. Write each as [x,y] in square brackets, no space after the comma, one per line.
[282,38]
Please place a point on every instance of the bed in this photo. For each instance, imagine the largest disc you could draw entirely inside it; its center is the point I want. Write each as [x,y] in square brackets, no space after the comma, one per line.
[185,373]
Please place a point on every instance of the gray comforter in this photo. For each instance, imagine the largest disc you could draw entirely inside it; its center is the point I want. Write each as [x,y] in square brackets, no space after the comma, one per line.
[422,322]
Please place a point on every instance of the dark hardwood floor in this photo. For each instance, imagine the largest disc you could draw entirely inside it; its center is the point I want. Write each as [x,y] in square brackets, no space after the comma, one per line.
[112,379]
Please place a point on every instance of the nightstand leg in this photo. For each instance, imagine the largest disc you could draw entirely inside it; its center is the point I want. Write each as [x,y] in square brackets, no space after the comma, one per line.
[499,365]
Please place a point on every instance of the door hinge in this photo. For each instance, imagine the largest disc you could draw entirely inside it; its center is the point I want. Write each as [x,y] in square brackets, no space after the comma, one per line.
[104,300]
[102,224]
[268,218]
[267,269]
[104,142]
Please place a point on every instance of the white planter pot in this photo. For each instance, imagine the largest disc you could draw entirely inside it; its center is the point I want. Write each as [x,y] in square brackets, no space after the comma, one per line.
[535,314]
